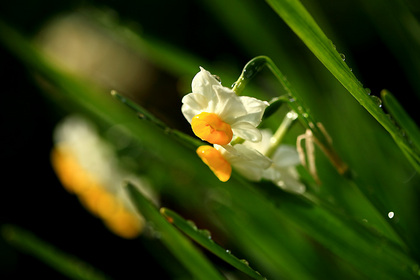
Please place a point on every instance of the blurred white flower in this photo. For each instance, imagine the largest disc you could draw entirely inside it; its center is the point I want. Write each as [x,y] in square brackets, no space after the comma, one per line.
[216,113]
[88,167]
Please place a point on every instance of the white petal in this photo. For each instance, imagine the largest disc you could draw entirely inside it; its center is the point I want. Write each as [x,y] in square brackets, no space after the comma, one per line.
[203,83]
[285,156]
[255,110]
[229,106]
[248,162]
[286,178]
[272,174]
[289,181]
[263,145]
[193,104]
[246,131]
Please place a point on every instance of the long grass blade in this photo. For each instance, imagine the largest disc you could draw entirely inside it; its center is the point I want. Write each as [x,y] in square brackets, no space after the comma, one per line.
[305,27]
[203,238]
[186,253]
[68,265]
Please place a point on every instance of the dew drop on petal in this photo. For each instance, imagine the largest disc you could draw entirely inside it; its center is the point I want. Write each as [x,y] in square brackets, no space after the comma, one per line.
[217,78]
[367,90]
[228,251]
[391,215]
[343,56]
[245,262]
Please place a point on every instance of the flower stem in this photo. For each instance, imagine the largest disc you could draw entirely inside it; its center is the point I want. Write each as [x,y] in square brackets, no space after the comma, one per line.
[280,133]
[249,71]
[254,66]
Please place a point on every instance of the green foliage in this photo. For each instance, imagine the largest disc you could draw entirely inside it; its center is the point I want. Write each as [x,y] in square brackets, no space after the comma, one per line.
[68,265]
[189,256]
[360,223]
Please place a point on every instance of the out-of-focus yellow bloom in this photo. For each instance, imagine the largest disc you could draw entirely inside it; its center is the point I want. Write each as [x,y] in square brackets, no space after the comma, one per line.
[86,167]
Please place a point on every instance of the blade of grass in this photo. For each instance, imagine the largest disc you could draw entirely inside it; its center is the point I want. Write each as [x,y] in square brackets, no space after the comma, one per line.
[66,264]
[205,241]
[404,121]
[158,141]
[186,253]
[367,250]
[305,27]
[146,115]
[101,105]
[301,22]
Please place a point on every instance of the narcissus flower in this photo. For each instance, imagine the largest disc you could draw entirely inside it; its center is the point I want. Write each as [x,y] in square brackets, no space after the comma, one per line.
[282,171]
[248,162]
[87,167]
[217,114]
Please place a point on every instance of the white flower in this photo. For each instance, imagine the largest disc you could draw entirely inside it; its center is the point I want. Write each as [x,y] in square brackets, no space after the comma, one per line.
[88,167]
[283,169]
[248,162]
[216,113]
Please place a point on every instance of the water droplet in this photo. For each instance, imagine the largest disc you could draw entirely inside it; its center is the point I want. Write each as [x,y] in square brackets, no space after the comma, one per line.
[228,251]
[292,115]
[192,224]
[351,70]
[206,233]
[367,90]
[377,100]
[245,262]
[332,44]
[233,85]
[217,78]
[343,56]
[152,232]
[391,215]
[253,67]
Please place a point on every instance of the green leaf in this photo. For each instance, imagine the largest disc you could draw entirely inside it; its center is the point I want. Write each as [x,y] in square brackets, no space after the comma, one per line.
[366,250]
[182,248]
[409,130]
[66,264]
[275,105]
[203,238]
[301,22]
[101,106]
[146,115]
